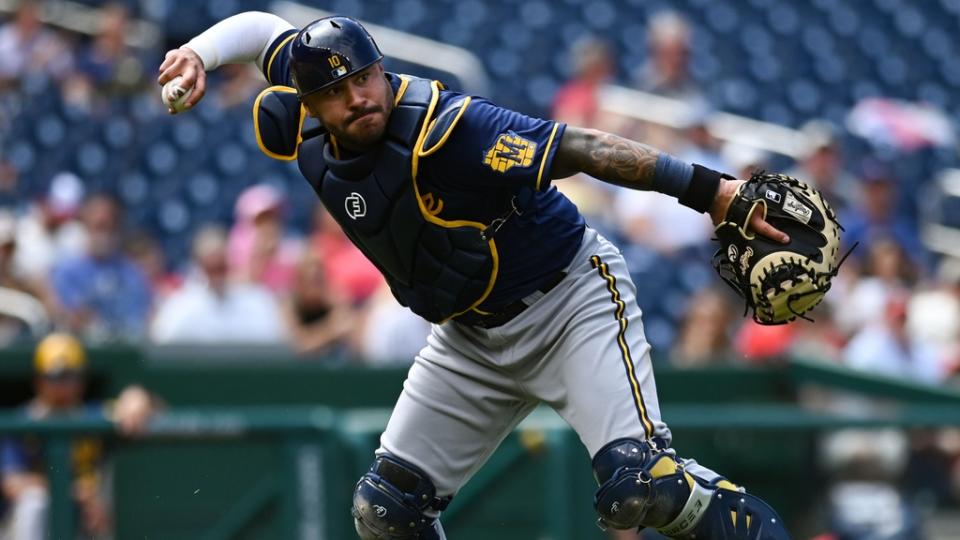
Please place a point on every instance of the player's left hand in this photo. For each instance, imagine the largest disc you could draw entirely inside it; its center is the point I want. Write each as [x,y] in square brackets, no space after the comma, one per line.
[721,203]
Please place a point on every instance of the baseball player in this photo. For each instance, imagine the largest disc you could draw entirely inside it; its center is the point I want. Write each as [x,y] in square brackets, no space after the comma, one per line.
[450,196]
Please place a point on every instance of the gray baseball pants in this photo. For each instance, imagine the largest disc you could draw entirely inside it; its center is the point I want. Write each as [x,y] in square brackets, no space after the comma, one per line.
[580,348]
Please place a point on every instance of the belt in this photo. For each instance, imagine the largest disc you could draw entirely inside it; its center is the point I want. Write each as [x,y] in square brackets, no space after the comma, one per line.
[508,312]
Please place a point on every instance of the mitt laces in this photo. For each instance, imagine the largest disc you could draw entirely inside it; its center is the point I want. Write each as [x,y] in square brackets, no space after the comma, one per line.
[729,277]
[828,276]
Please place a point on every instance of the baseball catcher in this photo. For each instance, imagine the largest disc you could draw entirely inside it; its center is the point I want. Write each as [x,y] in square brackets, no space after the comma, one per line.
[452,198]
[779,282]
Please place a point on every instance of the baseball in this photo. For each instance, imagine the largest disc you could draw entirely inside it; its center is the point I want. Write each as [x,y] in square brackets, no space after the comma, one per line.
[175,96]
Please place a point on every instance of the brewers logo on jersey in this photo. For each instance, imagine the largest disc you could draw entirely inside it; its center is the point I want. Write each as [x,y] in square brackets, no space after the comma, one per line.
[510,150]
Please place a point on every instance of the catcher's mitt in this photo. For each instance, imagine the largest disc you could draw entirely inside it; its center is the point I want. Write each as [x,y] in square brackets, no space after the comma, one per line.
[779,281]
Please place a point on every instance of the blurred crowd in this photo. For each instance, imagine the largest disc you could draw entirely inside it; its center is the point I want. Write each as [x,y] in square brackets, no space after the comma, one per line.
[893,310]
[72,258]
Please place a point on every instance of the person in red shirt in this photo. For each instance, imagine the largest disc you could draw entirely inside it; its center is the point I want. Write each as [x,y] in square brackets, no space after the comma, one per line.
[576,101]
[347,270]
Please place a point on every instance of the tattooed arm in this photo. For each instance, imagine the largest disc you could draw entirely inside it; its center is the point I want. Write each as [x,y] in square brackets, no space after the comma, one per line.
[606,157]
[631,164]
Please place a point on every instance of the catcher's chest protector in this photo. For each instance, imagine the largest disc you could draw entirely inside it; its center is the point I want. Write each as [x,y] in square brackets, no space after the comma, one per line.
[436,268]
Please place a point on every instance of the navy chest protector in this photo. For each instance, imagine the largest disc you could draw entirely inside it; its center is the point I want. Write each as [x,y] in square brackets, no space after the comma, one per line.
[436,267]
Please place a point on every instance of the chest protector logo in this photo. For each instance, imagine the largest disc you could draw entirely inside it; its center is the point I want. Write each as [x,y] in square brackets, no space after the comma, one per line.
[437,268]
[355,206]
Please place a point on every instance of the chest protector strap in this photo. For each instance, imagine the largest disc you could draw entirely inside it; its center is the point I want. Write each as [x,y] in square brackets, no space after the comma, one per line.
[439,268]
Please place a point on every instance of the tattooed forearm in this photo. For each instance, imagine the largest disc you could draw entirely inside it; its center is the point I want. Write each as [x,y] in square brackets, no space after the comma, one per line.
[607,157]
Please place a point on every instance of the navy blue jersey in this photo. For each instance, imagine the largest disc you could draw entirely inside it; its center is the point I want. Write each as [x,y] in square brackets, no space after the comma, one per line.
[493,155]
[494,158]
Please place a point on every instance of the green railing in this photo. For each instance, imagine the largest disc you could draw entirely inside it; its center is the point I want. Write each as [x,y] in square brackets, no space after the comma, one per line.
[290,428]
[346,440]
[272,471]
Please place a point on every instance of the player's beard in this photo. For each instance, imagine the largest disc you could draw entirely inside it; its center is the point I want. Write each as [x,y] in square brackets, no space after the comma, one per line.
[362,129]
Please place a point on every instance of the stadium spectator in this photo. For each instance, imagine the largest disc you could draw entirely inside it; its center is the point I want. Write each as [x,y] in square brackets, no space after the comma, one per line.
[258,251]
[644,218]
[102,293]
[389,334]
[20,301]
[144,250]
[319,317]
[27,46]
[887,272]
[865,499]
[667,73]
[576,101]
[758,344]
[822,166]
[9,182]
[698,145]
[210,308]
[347,270]
[108,62]
[876,217]
[60,371]
[704,336]
[885,347]
[742,161]
[934,313]
[821,340]
[49,231]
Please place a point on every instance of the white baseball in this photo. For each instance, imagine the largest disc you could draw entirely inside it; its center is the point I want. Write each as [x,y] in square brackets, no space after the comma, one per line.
[175,96]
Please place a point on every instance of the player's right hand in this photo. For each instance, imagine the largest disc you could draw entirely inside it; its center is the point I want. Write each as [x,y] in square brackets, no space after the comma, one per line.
[726,193]
[187,64]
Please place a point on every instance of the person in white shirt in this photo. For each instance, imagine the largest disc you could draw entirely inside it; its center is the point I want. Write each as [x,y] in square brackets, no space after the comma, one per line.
[211,309]
[27,46]
[50,231]
[885,348]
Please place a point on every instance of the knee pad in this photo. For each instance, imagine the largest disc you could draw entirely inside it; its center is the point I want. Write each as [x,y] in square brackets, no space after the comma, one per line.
[640,486]
[395,500]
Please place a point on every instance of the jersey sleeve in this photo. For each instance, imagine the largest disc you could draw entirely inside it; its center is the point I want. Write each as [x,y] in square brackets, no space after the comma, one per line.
[495,147]
[276,61]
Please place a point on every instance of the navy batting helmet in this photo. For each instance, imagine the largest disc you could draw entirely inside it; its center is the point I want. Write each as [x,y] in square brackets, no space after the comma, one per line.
[328,50]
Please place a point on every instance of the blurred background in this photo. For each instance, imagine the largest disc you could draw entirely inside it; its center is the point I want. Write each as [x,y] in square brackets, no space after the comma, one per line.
[190,348]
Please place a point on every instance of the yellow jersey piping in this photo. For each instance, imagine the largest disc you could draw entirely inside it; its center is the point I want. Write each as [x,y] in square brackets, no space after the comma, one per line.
[546,153]
[274,54]
[622,321]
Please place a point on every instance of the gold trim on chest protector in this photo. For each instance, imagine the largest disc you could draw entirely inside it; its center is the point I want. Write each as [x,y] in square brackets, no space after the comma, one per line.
[256,123]
[414,169]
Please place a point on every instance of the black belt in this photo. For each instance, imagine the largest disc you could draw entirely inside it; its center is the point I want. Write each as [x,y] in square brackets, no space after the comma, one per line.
[508,312]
